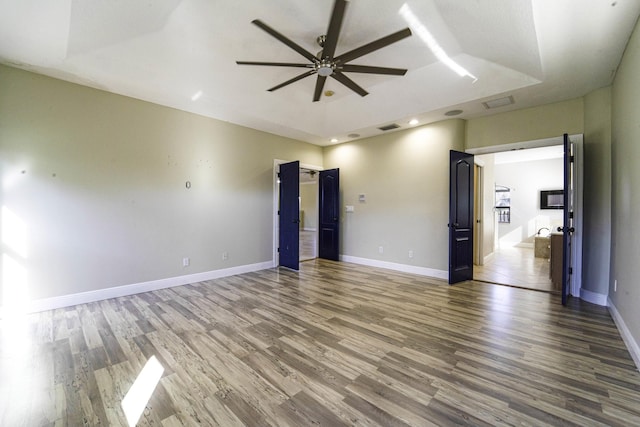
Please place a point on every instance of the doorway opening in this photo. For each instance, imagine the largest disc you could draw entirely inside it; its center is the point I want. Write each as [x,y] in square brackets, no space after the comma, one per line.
[515,233]
[308,211]
[309,214]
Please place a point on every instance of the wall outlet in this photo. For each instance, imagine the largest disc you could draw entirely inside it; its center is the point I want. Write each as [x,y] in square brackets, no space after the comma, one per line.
[410,254]
[186,262]
[380,249]
[615,285]
[225,256]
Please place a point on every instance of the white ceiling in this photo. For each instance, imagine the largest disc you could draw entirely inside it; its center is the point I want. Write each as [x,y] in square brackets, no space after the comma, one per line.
[166,51]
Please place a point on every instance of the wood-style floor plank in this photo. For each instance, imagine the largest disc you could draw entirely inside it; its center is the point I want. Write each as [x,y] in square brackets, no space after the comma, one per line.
[335,344]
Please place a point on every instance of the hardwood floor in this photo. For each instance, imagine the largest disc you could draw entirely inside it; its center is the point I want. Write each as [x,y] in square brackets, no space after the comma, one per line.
[335,344]
[516,266]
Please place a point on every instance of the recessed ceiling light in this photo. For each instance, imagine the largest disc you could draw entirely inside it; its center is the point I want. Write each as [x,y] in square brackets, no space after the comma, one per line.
[453,113]
[334,140]
[196,95]
[413,122]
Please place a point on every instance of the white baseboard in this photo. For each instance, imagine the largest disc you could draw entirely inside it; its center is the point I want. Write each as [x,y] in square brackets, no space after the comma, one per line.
[423,271]
[488,258]
[309,229]
[136,288]
[593,297]
[523,245]
[628,339]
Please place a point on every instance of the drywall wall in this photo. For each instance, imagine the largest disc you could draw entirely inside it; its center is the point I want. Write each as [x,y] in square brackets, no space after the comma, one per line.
[625,181]
[596,247]
[96,186]
[526,179]
[404,178]
[547,121]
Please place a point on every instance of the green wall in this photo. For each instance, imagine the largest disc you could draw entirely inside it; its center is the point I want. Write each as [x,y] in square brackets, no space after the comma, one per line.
[596,246]
[98,182]
[528,124]
[625,182]
[404,177]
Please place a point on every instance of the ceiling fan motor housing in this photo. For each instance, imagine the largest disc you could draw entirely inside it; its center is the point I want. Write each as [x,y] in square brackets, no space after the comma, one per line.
[325,67]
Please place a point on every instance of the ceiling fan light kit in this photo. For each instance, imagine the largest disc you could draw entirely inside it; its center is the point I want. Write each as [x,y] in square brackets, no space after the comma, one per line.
[325,63]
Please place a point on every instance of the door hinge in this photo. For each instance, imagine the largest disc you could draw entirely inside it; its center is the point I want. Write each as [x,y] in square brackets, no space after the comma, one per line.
[571,214]
[278,250]
[570,270]
[572,158]
[278,212]
[278,174]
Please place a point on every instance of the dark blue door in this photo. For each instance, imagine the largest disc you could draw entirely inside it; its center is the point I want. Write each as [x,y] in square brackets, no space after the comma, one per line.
[567,226]
[460,217]
[289,223]
[329,221]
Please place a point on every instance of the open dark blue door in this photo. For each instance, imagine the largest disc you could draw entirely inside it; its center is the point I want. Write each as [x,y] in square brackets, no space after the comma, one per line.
[329,221]
[567,228]
[289,223]
[460,217]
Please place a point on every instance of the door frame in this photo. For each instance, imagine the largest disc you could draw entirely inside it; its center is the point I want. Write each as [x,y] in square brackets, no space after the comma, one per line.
[478,212]
[276,203]
[316,185]
[577,238]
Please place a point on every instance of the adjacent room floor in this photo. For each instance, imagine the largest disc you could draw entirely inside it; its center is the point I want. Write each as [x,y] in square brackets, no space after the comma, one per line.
[516,266]
[335,344]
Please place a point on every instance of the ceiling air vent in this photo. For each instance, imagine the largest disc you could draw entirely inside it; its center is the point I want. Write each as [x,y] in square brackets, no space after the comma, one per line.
[499,102]
[389,127]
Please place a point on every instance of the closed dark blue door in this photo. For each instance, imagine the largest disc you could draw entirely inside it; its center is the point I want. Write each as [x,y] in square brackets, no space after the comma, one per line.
[329,221]
[460,217]
[289,223]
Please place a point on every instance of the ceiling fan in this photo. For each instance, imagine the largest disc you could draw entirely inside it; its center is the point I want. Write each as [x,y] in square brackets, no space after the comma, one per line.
[325,63]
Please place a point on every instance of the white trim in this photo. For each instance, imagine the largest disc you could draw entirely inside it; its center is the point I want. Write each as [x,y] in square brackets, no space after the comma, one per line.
[536,143]
[136,288]
[405,268]
[309,229]
[488,257]
[593,297]
[524,245]
[628,339]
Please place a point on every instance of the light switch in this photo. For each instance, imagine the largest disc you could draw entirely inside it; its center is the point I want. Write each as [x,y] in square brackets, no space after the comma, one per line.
[362,198]
[349,209]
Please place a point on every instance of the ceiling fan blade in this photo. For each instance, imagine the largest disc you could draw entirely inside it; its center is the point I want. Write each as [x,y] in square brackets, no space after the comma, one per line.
[319,86]
[293,45]
[275,64]
[335,24]
[374,45]
[348,68]
[349,83]
[293,80]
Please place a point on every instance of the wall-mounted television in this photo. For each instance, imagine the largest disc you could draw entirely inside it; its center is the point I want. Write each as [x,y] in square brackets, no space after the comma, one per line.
[552,199]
